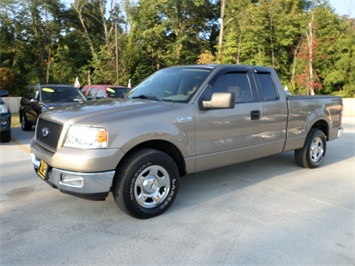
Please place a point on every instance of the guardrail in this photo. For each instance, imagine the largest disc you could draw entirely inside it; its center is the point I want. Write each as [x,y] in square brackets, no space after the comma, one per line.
[349,107]
[13,103]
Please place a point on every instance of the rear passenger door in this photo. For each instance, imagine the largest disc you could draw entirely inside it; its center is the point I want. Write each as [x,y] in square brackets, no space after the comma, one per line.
[273,112]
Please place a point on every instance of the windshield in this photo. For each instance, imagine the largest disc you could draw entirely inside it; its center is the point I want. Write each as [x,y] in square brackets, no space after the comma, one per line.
[61,94]
[171,84]
[116,92]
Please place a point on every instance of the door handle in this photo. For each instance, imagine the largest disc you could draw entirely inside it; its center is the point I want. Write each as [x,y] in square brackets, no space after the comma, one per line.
[255,115]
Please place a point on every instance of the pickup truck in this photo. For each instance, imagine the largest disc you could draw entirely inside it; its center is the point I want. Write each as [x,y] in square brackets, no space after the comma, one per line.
[178,121]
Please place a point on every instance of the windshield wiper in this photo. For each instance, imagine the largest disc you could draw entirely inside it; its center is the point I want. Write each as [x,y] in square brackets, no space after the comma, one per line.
[148,97]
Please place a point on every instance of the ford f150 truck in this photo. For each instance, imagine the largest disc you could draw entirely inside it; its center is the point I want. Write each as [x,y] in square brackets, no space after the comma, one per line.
[178,121]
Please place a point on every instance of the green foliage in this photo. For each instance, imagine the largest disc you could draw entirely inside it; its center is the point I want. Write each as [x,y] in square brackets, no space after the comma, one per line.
[47,41]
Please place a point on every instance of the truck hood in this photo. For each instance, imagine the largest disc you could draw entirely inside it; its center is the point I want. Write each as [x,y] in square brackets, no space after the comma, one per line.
[97,112]
[52,105]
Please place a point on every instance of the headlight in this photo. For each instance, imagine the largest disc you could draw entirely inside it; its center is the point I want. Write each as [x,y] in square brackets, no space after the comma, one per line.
[3,108]
[86,137]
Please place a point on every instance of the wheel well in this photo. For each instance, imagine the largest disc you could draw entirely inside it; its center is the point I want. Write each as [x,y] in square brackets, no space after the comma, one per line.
[322,125]
[166,147]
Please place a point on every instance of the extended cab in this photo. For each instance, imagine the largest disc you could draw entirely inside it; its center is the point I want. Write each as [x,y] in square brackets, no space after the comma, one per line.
[178,121]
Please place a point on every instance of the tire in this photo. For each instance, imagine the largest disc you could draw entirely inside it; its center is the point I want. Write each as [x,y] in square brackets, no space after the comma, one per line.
[146,183]
[24,124]
[313,152]
[5,136]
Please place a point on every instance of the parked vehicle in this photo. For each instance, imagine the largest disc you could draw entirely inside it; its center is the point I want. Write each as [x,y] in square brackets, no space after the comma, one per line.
[42,97]
[4,93]
[93,92]
[178,121]
[5,122]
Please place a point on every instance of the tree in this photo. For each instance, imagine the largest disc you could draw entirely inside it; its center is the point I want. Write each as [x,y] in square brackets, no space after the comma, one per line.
[263,32]
[309,78]
[168,33]
[46,41]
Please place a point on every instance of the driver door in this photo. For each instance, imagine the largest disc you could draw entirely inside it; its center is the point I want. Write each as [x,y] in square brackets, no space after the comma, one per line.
[228,136]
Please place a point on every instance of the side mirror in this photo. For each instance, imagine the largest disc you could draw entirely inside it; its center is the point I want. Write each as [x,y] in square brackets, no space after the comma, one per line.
[4,93]
[220,100]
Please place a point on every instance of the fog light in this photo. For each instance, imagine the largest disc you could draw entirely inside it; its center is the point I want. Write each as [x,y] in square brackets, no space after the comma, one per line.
[72,180]
[3,122]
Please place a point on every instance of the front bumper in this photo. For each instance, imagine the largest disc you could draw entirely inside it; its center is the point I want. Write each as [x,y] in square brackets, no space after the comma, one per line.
[95,185]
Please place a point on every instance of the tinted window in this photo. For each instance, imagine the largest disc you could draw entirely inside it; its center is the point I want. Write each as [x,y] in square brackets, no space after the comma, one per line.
[116,92]
[267,87]
[61,94]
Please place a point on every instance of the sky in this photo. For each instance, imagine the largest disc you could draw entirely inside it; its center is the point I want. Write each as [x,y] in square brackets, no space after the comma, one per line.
[344,7]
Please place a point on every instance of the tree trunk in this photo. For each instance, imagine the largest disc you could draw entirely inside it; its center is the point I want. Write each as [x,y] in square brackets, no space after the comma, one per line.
[78,8]
[221,32]
[310,56]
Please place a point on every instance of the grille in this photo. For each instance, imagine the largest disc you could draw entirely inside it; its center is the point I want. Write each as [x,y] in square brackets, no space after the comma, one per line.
[48,133]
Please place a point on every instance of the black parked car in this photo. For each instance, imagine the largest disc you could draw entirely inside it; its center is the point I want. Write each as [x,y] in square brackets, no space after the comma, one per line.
[42,97]
[4,93]
[5,122]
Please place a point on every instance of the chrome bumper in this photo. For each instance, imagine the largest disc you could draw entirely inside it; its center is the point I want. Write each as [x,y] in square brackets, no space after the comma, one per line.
[77,182]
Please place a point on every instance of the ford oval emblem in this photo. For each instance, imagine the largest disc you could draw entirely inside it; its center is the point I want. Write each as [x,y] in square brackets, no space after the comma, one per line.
[45,132]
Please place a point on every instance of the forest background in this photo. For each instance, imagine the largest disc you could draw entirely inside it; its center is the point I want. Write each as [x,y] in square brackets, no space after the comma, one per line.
[48,41]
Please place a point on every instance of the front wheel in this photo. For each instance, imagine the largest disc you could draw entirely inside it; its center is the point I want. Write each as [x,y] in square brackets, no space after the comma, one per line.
[311,155]
[146,183]
[24,124]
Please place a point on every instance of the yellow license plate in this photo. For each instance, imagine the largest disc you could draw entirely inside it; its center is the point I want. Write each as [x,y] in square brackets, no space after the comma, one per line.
[42,170]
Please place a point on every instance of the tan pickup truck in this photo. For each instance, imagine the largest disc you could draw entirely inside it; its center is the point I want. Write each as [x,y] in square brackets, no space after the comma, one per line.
[178,121]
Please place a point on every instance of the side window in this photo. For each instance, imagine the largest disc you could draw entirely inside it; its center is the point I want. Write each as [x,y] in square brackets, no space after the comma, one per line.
[83,90]
[267,87]
[236,82]
[35,94]
[91,93]
[101,94]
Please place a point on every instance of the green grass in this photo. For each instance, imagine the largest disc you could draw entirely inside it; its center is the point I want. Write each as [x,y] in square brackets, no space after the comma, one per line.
[15,120]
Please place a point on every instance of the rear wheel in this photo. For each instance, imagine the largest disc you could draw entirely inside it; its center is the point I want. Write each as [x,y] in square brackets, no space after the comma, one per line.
[24,124]
[146,183]
[313,152]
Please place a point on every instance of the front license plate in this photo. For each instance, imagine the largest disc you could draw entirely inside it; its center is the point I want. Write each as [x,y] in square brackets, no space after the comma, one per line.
[42,170]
